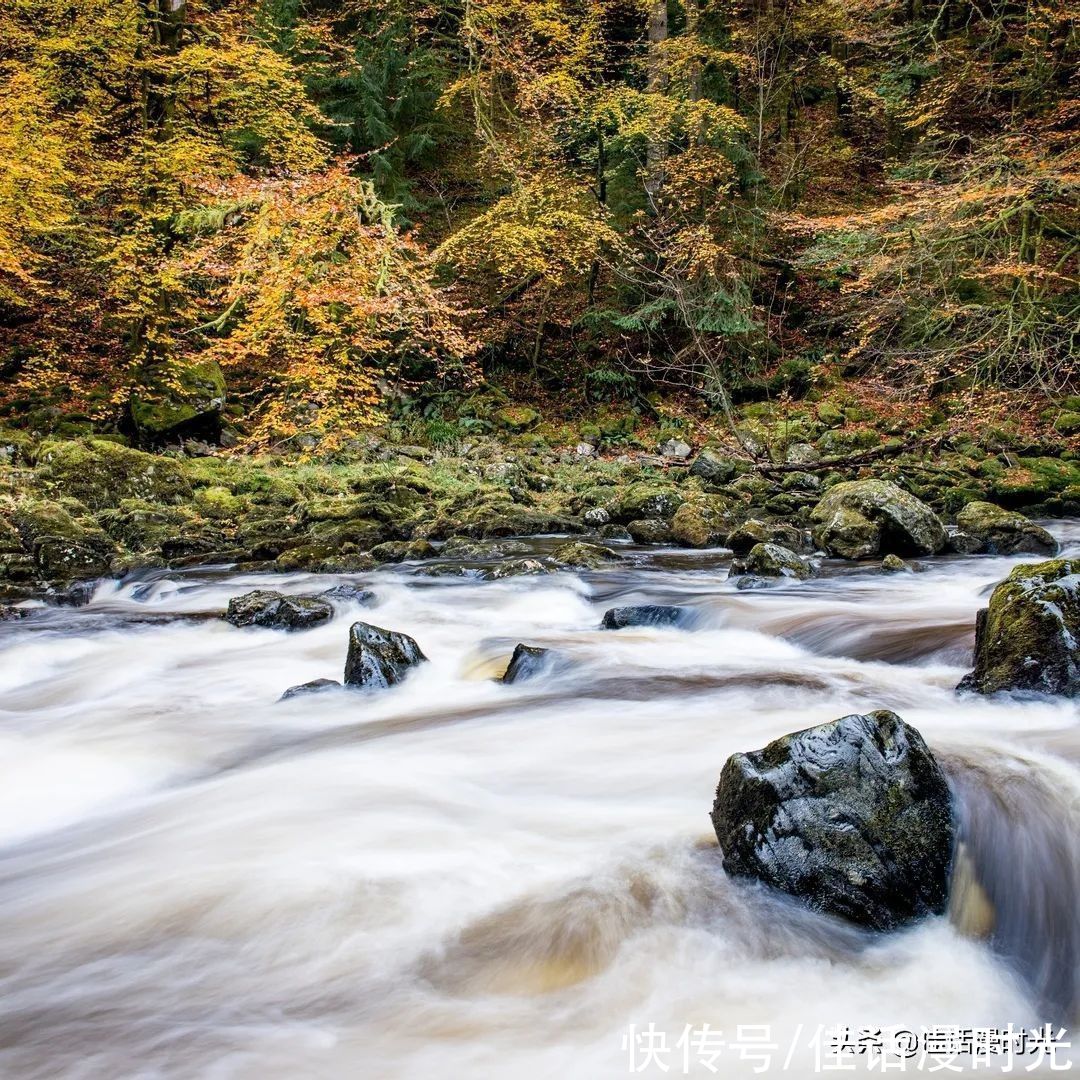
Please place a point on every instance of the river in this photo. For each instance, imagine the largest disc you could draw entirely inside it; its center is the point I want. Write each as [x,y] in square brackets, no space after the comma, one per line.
[458,878]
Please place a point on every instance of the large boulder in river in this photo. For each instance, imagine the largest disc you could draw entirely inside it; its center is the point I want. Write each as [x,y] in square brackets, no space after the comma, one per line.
[527,662]
[276,611]
[379,658]
[853,817]
[860,519]
[1028,639]
[1004,532]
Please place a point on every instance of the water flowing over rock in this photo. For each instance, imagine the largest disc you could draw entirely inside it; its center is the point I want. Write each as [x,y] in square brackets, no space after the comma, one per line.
[643,615]
[853,817]
[527,662]
[859,519]
[1003,532]
[379,658]
[1028,639]
[315,686]
[276,611]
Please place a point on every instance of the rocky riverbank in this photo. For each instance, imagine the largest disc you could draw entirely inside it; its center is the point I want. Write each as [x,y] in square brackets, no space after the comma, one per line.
[76,510]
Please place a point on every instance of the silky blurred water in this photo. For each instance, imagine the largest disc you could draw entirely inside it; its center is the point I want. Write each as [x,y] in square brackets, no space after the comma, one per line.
[458,878]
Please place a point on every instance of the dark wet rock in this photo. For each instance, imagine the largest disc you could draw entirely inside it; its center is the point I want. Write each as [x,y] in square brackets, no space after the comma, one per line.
[379,658]
[859,519]
[962,543]
[8,613]
[853,817]
[316,686]
[527,662]
[276,611]
[893,564]
[518,568]
[644,615]
[1028,639]
[1004,532]
[752,582]
[615,533]
[77,595]
[773,561]
[583,556]
[713,467]
[348,594]
[650,531]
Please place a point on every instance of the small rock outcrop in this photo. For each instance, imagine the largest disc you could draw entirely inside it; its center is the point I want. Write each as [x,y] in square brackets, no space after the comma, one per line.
[643,615]
[860,519]
[1028,638]
[348,594]
[853,817]
[315,686]
[1003,532]
[582,556]
[379,658]
[276,611]
[527,662]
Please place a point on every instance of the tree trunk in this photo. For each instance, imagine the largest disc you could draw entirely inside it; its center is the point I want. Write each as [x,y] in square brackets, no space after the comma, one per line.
[166,27]
[656,151]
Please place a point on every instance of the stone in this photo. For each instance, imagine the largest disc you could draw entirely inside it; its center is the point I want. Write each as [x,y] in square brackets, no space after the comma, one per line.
[650,531]
[394,551]
[643,500]
[773,561]
[581,556]
[276,611]
[713,467]
[893,564]
[346,593]
[527,662]
[315,686]
[463,547]
[676,449]
[862,518]
[596,517]
[743,537]
[180,402]
[517,568]
[378,658]
[618,618]
[696,526]
[853,818]
[1028,638]
[1004,532]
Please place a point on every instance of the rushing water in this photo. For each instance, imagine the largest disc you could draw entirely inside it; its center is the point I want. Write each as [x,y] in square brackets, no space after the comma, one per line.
[458,878]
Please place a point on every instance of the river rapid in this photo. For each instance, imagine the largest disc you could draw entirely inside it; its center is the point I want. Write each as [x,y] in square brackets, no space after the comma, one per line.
[458,878]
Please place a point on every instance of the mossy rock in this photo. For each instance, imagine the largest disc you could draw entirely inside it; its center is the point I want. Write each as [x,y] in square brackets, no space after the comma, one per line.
[582,556]
[773,561]
[63,548]
[180,402]
[102,474]
[395,551]
[1027,638]
[1004,532]
[699,525]
[648,500]
[517,418]
[863,518]
[1068,423]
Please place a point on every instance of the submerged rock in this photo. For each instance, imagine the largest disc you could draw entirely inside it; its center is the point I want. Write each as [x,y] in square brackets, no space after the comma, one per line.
[853,817]
[858,519]
[276,611]
[643,615]
[1029,637]
[316,686]
[348,594]
[773,561]
[1003,532]
[518,568]
[527,662]
[379,658]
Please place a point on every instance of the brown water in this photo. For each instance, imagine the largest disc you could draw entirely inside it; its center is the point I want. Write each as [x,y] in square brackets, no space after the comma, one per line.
[461,879]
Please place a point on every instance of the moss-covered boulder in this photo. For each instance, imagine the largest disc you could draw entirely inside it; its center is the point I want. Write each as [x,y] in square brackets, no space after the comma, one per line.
[65,547]
[854,818]
[714,467]
[1004,532]
[773,561]
[394,551]
[179,403]
[582,556]
[863,518]
[650,531]
[101,474]
[647,500]
[1028,638]
[516,418]
[698,525]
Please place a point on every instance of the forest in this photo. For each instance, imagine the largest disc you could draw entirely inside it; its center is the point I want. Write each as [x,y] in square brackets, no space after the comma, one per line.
[288,222]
